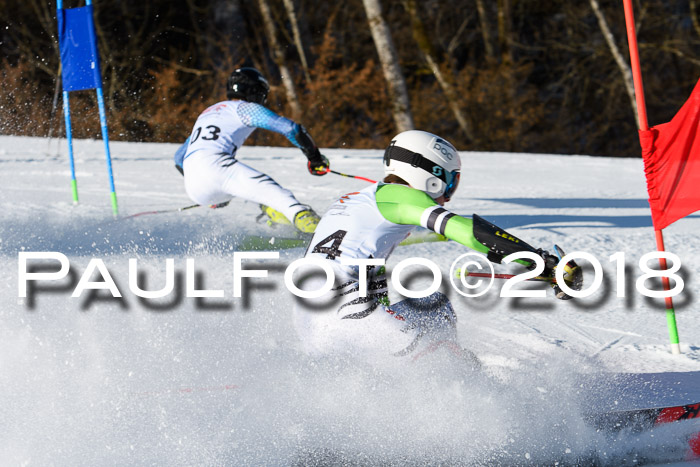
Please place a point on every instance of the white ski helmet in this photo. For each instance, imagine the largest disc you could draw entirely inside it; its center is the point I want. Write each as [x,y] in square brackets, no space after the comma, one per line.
[425,161]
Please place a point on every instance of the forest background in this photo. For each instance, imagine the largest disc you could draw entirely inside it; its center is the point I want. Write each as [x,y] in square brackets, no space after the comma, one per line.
[491,75]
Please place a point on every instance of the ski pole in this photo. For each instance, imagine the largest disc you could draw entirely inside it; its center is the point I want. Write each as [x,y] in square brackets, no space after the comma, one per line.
[213,206]
[458,273]
[353,176]
[163,211]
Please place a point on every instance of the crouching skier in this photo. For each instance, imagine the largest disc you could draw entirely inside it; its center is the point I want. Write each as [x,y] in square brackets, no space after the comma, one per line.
[422,173]
[208,161]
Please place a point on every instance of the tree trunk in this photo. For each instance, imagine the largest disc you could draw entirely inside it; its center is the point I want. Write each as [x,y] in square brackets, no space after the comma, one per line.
[291,13]
[617,55]
[485,30]
[426,48]
[504,31]
[508,68]
[694,16]
[278,56]
[396,84]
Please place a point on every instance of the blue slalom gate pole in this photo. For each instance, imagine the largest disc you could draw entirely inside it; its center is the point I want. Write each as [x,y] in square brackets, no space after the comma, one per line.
[105,137]
[69,137]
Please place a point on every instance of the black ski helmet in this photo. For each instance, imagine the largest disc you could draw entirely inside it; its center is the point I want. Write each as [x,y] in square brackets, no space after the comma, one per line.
[247,84]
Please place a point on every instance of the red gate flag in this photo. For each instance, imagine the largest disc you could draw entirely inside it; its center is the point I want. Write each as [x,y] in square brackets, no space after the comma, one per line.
[671,154]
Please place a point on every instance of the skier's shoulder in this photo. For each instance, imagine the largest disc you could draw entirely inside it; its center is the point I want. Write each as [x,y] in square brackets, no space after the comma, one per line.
[363,196]
[219,107]
[216,112]
[257,115]
[252,108]
[397,193]
[402,204]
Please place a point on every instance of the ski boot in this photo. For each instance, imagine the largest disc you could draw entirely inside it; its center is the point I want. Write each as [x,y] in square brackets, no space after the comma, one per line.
[273,216]
[306,221]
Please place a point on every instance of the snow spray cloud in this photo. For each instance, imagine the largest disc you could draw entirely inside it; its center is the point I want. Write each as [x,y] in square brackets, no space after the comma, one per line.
[463,268]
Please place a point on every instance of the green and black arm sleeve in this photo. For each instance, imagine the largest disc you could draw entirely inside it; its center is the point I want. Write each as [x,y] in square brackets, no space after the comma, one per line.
[401,204]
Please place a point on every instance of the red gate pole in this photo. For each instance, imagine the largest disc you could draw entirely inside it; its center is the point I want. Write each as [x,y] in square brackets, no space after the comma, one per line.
[643,126]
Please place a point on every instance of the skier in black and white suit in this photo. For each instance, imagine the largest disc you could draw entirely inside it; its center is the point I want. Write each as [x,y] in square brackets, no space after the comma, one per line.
[208,161]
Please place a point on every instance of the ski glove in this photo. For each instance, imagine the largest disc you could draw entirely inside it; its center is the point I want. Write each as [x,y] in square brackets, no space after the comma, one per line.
[573,275]
[320,166]
[550,262]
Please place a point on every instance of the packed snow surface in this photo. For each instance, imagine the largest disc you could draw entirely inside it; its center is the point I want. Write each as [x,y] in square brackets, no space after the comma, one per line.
[98,380]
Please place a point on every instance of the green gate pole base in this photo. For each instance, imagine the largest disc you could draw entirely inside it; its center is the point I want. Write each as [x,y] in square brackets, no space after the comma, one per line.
[74,190]
[673,331]
[115,209]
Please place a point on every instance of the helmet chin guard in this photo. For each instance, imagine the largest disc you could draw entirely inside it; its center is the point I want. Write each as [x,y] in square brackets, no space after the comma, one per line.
[425,161]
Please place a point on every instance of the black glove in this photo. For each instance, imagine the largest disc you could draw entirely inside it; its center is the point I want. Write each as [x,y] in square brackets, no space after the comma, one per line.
[573,275]
[550,263]
[320,166]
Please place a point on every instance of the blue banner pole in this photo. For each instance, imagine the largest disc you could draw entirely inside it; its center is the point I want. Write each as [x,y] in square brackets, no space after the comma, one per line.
[105,138]
[69,135]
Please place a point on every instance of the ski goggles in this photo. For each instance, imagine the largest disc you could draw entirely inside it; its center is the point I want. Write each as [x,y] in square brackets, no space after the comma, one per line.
[451,183]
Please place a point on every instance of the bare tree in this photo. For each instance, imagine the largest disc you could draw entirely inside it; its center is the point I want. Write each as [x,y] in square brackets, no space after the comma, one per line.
[396,84]
[36,43]
[429,54]
[485,29]
[504,31]
[694,16]
[291,13]
[617,55]
[280,61]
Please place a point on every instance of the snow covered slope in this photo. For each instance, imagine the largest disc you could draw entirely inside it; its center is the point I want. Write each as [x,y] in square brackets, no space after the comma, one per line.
[179,381]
